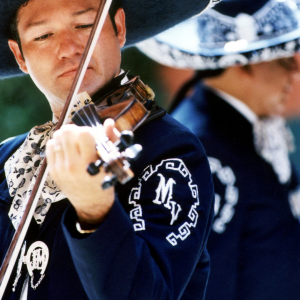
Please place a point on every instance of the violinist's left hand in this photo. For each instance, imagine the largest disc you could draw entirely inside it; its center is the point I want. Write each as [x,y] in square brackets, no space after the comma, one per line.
[69,153]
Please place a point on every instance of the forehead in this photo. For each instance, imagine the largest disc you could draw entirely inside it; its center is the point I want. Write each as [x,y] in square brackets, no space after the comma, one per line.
[38,10]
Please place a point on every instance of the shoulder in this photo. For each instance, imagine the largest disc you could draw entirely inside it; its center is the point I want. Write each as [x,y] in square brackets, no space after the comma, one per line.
[7,140]
[165,128]
[193,112]
[9,146]
[13,141]
[165,137]
[171,150]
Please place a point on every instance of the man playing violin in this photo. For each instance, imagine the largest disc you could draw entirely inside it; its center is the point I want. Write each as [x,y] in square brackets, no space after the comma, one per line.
[142,240]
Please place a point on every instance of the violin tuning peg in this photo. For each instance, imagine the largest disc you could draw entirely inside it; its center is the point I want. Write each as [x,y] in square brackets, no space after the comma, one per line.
[126,140]
[133,152]
[109,181]
[93,168]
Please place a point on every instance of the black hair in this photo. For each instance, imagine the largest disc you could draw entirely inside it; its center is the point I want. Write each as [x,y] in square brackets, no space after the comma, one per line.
[199,75]
[13,27]
[115,5]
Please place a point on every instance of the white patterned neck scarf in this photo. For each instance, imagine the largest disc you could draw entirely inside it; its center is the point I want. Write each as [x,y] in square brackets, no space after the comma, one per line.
[273,141]
[23,167]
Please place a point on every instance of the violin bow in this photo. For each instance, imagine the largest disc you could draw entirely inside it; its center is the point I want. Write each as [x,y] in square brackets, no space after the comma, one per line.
[19,236]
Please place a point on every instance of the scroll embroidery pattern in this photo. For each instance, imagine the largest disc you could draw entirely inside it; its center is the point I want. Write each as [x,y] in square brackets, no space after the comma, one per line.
[165,197]
[224,211]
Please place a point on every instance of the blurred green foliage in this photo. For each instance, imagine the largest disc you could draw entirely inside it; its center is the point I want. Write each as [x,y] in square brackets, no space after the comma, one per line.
[23,106]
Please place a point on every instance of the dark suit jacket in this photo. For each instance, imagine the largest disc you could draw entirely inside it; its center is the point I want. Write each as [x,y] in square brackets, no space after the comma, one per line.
[136,253]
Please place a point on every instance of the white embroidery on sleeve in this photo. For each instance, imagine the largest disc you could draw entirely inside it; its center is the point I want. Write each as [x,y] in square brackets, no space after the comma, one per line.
[225,210]
[166,198]
[294,200]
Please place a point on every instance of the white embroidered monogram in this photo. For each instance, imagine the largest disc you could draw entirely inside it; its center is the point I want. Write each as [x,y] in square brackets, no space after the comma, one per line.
[167,198]
[23,167]
[37,259]
[273,141]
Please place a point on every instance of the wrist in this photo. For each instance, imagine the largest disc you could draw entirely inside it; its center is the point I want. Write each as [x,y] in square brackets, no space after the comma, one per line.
[84,231]
[90,219]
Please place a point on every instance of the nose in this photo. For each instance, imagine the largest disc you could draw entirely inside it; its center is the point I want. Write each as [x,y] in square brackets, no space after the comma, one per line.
[69,45]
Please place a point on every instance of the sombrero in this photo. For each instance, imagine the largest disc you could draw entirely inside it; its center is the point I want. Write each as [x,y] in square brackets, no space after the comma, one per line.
[234,32]
[144,19]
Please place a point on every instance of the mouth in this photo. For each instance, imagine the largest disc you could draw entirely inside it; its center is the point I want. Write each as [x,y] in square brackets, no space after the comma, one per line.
[288,89]
[71,72]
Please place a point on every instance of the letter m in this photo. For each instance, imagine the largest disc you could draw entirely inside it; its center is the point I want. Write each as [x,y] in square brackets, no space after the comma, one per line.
[164,191]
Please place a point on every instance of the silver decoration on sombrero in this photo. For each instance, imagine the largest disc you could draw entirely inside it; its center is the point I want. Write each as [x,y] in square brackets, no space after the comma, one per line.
[23,167]
[213,40]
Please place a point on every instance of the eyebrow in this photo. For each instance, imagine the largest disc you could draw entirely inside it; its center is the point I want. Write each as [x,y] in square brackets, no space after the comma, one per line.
[35,24]
[75,14]
[79,13]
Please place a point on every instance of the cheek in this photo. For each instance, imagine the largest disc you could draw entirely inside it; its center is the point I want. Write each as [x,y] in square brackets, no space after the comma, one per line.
[36,61]
[274,83]
[40,72]
[107,56]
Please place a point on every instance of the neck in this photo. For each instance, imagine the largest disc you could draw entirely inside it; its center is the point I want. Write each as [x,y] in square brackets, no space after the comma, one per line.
[237,84]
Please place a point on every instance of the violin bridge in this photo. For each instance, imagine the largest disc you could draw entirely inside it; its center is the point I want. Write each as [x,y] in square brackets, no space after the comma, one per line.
[81,100]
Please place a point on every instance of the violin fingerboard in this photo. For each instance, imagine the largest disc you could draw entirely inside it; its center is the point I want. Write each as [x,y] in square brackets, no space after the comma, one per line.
[86,116]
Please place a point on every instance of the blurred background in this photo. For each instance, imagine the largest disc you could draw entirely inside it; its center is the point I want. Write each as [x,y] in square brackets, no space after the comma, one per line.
[23,106]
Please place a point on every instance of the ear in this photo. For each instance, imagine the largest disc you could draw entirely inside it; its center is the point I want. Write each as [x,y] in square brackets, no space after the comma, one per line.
[244,71]
[14,47]
[121,28]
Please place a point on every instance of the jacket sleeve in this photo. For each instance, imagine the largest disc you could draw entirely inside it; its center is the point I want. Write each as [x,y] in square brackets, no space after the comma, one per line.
[155,234]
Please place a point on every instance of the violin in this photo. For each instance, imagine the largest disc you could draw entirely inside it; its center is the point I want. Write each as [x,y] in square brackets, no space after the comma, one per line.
[126,105]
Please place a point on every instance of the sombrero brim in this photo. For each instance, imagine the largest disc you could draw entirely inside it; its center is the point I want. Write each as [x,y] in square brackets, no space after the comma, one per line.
[144,19]
[169,55]
[183,47]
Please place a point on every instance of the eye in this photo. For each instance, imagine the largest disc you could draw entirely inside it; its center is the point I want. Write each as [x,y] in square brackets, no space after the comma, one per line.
[288,63]
[43,37]
[85,26]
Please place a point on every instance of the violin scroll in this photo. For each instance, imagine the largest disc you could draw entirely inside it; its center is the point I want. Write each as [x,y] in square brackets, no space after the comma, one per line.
[113,157]
[121,154]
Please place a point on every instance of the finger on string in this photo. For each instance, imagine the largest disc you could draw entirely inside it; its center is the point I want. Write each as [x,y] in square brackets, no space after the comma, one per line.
[68,136]
[58,150]
[50,152]
[87,145]
[54,153]
[111,131]
[59,156]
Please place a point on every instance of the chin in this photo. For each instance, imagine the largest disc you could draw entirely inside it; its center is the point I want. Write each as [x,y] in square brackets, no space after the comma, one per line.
[91,86]
[91,89]
[280,109]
